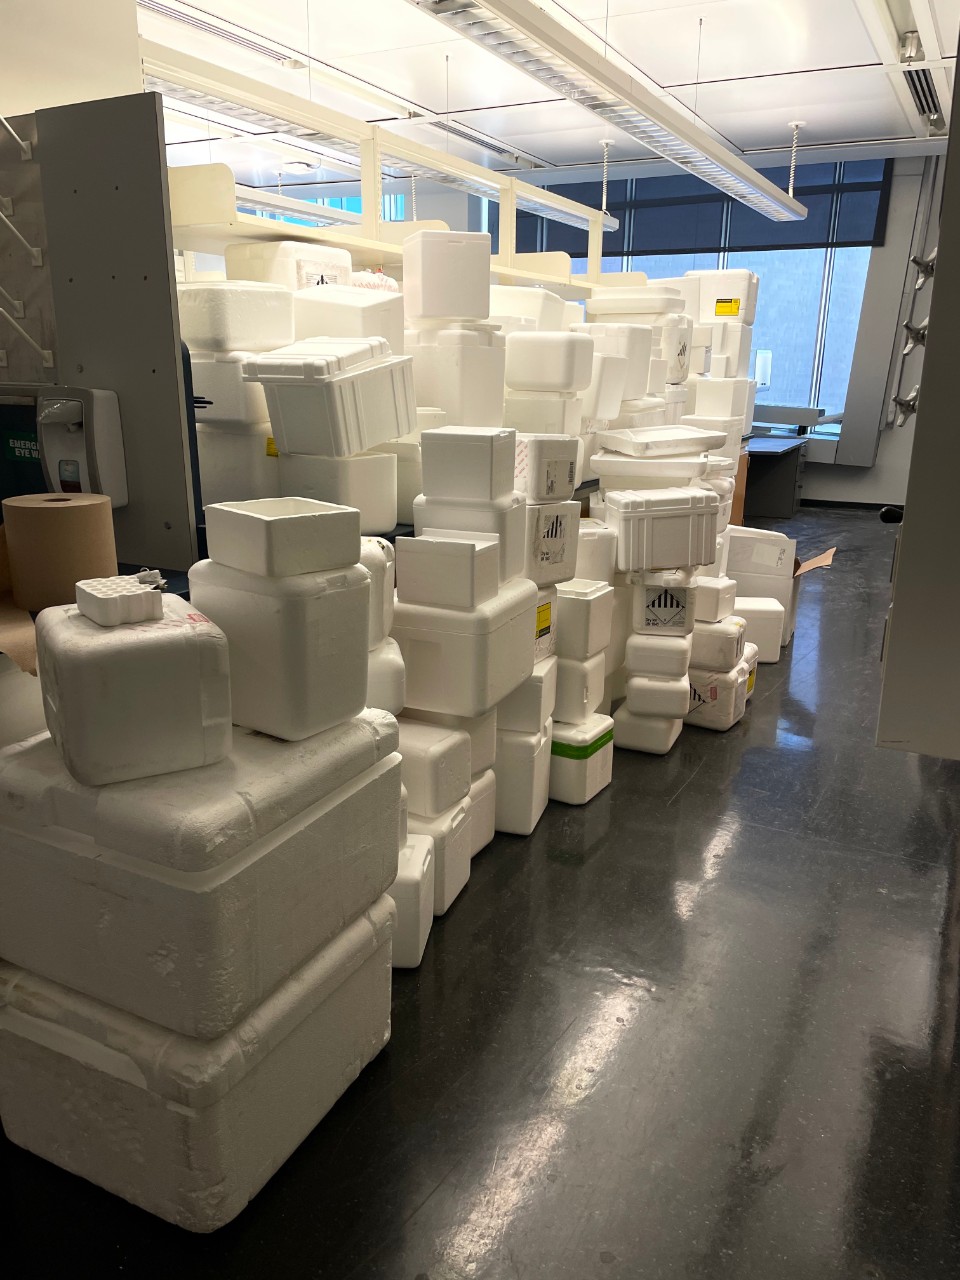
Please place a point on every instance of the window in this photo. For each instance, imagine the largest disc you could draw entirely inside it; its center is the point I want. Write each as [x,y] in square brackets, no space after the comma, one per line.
[843,318]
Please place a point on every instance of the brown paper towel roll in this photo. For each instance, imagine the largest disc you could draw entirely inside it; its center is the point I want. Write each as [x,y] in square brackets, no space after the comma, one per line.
[54,540]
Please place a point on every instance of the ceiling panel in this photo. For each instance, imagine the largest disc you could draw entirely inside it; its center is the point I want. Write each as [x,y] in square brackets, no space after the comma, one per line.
[586,10]
[947,16]
[559,132]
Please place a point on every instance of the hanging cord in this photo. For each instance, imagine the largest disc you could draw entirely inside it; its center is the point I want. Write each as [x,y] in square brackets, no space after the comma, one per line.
[606,144]
[413,196]
[796,126]
[696,86]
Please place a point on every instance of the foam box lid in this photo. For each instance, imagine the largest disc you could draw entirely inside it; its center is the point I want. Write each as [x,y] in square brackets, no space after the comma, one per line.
[595,732]
[200,818]
[640,442]
[513,598]
[711,422]
[690,467]
[661,501]
[626,301]
[322,582]
[193,1073]
[761,551]
[583,588]
[315,358]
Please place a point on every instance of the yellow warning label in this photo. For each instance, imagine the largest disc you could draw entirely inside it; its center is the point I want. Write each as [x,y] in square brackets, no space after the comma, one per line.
[272,448]
[727,307]
[544,618]
[751,680]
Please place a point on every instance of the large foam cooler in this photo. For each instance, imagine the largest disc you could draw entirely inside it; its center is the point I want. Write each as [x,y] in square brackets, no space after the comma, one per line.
[187,1129]
[187,898]
[663,528]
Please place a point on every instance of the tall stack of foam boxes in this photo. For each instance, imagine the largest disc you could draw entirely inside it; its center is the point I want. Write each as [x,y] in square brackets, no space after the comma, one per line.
[193,918]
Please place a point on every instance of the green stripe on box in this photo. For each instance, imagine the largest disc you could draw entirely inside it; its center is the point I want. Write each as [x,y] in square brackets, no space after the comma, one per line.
[570,752]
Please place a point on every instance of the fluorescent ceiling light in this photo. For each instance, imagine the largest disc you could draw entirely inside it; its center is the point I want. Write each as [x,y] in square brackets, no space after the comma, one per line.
[528,38]
[288,207]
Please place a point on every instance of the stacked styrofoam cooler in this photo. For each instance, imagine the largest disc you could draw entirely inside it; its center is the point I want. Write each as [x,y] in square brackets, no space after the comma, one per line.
[761,563]
[385,670]
[195,935]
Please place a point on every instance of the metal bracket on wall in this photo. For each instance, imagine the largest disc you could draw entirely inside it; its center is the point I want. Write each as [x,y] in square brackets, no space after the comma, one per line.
[15,305]
[45,355]
[925,269]
[916,335]
[36,255]
[26,149]
[906,406]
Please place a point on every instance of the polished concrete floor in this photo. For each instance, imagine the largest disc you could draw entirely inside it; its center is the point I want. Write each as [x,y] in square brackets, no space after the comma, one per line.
[704,1027]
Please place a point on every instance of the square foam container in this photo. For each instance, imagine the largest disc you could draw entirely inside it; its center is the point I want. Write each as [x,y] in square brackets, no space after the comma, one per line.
[386,677]
[186,899]
[614,691]
[543,413]
[436,766]
[653,473]
[718,646]
[121,599]
[483,811]
[604,395]
[667,696]
[409,473]
[482,730]
[289,263]
[643,412]
[547,310]
[654,735]
[751,656]
[278,537]
[728,294]
[450,832]
[761,553]
[471,464]
[379,559]
[446,273]
[412,894]
[523,779]
[298,645]
[656,654]
[234,315]
[219,379]
[345,311]
[579,688]
[548,361]
[632,341]
[447,569]
[662,528]
[551,536]
[581,759]
[716,397]
[134,700]
[191,1130]
[367,482]
[531,704]
[505,517]
[545,627]
[596,551]
[664,602]
[675,440]
[463,662]
[718,699]
[622,624]
[459,368]
[546,467]
[715,598]
[585,610]
[765,620]
[237,462]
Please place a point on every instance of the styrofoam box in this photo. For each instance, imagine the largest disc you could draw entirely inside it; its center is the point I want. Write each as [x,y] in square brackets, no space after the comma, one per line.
[532,703]
[665,473]
[675,335]
[534,412]
[724,398]
[633,342]
[403,816]
[596,551]
[278,537]
[664,602]
[429,418]
[604,396]
[662,528]
[581,759]
[718,699]
[545,626]
[436,766]
[120,599]
[514,324]
[202,890]
[450,832]
[227,315]
[764,618]
[219,379]
[655,654]
[579,688]
[548,361]
[657,377]
[687,286]
[386,677]
[186,1129]
[446,273]
[132,701]
[545,468]
[335,396]
[545,309]
[463,662]
[660,442]
[675,403]
[715,598]
[523,779]
[551,551]
[658,696]
[378,558]
[572,314]
[482,730]
[483,811]
[288,263]
[460,369]
[237,462]
[654,735]
[718,646]
[412,894]
[622,624]
[298,645]
[471,464]
[344,311]
[614,691]
[751,656]
[717,568]
[406,450]
[646,411]
[728,294]
[448,569]
[633,305]
[585,618]
[366,481]
[506,517]
[761,551]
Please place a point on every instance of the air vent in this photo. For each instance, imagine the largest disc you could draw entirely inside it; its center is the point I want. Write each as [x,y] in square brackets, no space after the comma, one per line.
[923,92]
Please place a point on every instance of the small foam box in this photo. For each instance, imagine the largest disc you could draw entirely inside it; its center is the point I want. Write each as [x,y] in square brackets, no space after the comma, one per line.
[460,370]
[447,569]
[523,779]
[345,311]
[463,662]
[543,413]
[654,735]
[190,1130]
[715,598]
[219,380]
[633,342]
[451,835]
[765,620]
[367,482]
[718,699]
[483,811]
[751,656]
[604,396]
[663,528]
[728,294]
[406,451]
[471,464]
[185,899]
[531,705]
[135,700]
[545,629]
[581,759]
[656,654]
[548,361]
[505,517]
[278,537]
[551,533]
[658,696]
[386,677]
[585,617]
[379,559]
[298,645]
[436,766]
[622,625]
[596,551]
[289,263]
[546,467]
[544,308]
[237,461]
[412,894]
[664,603]
[718,646]
[579,688]
[446,273]
[234,315]
[482,730]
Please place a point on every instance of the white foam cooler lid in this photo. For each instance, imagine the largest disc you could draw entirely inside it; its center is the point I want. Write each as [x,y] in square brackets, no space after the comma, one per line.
[660,501]
[649,442]
[315,358]
[686,467]
[197,819]
[514,597]
[629,301]
[585,734]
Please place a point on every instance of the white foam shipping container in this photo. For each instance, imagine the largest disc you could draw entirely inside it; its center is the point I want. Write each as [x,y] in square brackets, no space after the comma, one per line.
[715,598]
[545,309]
[765,620]
[633,342]
[523,779]
[543,413]
[604,396]
[290,264]
[585,618]
[723,398]
[551,542]
[654,735]
[667,696]
[662,528]
[545,626]
[665,602]
[436,766]
[728,295]
[227,315]
[482,730]
[470,464]
[460,369]
[344,311]
[280,537]
[660,442]
[751,656]
[622,624]
[412,894]
[579,688]
[646,411]
[718,699]
[505,517]
[367,482]
[532,703]
[596,551]
[718,646]
[545,467]
[483,811]
[448,569]
[219,379]
[450,832]
[649,473]
[386,677]
[655,654]
[581,759]
[379,559]
[409,483]
[237,462]
[553,362]
[446,273]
